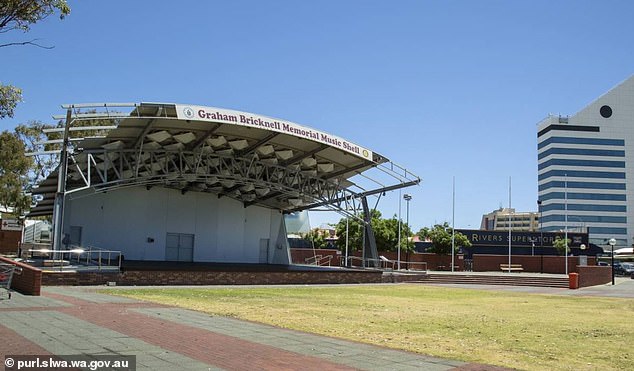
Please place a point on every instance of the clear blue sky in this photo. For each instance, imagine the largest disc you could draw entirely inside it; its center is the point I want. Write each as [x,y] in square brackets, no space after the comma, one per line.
[444,88]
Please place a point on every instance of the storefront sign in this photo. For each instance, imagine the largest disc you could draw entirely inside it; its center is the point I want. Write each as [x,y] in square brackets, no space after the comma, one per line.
[501,238]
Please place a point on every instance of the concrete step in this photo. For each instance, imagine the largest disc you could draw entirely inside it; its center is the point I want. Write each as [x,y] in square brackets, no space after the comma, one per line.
[496,280]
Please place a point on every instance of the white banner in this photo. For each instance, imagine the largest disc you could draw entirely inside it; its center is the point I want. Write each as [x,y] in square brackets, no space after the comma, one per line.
[10,225]
[211,114]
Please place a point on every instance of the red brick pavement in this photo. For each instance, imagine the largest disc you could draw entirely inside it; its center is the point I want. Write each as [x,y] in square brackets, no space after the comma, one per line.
[206,346]
[13,343]
[215,349]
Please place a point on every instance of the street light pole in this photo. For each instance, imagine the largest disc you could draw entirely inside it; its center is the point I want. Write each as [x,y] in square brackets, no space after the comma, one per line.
[612,242]
[345,263]
[453,223]
[566,219]
[407,198]
[400,227]
[541,232]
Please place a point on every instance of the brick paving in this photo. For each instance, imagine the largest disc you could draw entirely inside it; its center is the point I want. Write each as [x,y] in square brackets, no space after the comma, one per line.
[71,321]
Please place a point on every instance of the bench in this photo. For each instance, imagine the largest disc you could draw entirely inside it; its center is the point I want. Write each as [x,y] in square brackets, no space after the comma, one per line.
[511,267]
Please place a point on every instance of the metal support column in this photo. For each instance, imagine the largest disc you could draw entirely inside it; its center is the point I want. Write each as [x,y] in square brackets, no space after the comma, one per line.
[370,253]
[58,211]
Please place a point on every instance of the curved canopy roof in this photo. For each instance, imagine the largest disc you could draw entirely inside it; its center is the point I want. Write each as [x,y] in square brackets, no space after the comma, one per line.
[255,159]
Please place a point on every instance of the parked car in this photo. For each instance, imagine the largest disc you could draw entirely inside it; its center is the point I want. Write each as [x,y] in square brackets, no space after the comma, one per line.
[623,269]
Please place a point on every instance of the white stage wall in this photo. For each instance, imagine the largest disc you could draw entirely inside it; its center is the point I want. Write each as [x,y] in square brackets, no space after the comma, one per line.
[136,221]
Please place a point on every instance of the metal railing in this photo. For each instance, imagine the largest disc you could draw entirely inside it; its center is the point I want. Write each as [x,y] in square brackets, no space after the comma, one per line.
[319,260]
[83,257]
[385,263]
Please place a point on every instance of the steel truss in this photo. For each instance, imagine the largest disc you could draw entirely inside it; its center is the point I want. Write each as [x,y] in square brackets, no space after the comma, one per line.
[245,179]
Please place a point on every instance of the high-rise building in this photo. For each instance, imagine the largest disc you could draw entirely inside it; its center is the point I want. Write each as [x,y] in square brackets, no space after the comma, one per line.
[498,220]
[585,163]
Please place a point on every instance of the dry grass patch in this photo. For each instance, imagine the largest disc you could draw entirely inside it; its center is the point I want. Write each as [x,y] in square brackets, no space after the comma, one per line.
[514,330]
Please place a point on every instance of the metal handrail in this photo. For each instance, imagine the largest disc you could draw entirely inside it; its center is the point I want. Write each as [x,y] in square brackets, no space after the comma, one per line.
[379,261]
[79,254]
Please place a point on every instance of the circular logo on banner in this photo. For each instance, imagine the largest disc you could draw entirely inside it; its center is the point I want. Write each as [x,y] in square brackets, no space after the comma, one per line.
[365,153]
[188,112]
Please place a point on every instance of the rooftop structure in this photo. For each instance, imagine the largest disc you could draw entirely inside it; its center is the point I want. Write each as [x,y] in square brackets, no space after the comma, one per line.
[498,220]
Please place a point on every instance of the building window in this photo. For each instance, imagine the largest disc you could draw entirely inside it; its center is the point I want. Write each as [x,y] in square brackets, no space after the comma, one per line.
[581,152]
[584,207]
[585,163]
[582,196]
[585,185]
[574,219]
[589,141]
[582,174]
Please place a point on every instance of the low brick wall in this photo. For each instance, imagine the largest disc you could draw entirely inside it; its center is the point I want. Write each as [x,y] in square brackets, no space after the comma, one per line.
[28,281]
[398,278]
[530,263]
[170,277]
[594,275]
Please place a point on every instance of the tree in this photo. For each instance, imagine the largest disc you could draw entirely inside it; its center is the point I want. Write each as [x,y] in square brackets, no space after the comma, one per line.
[389,235]
[32,135]
[20,15]
[10,96]
[385,233]
[318,238]
[14,166]
[560,245]
[440,236]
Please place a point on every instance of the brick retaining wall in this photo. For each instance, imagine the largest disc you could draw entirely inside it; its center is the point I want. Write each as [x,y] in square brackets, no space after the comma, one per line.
[530,263]
[594,275]
[28,281]
[168,277]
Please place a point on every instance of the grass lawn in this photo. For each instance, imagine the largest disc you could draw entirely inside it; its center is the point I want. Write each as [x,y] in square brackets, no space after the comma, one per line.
[500,328]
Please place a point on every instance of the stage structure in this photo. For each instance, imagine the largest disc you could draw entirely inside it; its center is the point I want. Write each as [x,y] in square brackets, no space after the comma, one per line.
[172,182]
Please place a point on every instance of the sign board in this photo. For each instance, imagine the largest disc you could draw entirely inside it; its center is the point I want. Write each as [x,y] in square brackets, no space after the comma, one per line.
[224,116]
[527,239]
[583,260]
[10,225]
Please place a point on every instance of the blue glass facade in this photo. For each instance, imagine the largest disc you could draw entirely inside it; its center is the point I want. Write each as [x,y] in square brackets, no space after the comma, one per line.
[585,219]
[583,178]
[588,163]
[584,185]
[584,141]
[584,207]
[582,196]
[582,174]
[581,152]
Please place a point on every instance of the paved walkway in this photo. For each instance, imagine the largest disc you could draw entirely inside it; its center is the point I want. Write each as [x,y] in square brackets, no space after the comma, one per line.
[76,320]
